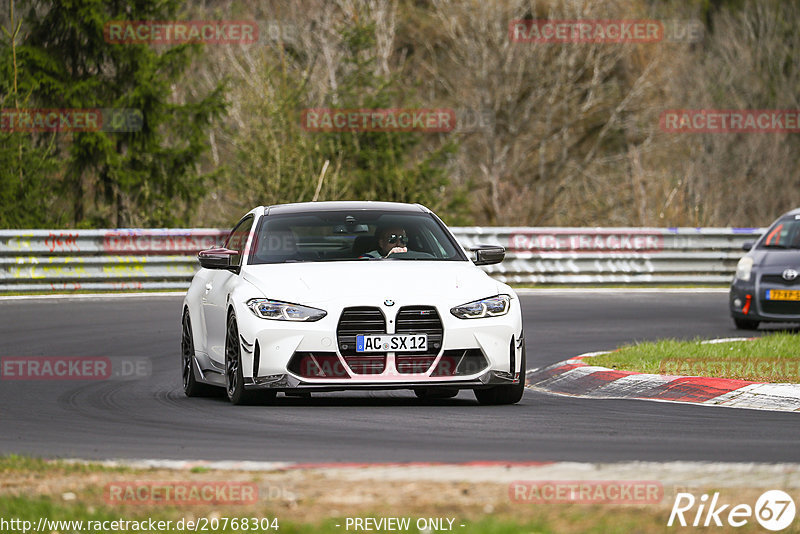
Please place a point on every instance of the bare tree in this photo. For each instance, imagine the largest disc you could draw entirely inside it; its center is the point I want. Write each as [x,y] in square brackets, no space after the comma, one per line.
[750,63]
[565,114]
[574,137]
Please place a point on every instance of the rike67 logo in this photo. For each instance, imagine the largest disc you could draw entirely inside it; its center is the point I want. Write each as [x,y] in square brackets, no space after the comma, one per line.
[774,510]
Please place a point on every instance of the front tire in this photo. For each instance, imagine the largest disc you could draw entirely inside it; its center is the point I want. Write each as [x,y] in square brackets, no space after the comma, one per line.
[191,387]
[511,394]
[234,378]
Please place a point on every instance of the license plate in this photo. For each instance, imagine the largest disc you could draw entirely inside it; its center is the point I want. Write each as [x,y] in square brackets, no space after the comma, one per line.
[783,294]
[392,343]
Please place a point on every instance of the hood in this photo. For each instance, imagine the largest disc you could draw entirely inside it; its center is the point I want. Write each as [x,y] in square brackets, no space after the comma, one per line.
[777,258]
[423,281]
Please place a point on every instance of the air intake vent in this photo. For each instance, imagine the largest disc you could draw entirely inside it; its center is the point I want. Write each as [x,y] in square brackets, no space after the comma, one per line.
[785,307]
[317,365]
[461,362]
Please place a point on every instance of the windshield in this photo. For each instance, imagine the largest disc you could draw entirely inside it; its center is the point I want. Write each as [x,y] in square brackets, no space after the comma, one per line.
[785,233]
[352,236]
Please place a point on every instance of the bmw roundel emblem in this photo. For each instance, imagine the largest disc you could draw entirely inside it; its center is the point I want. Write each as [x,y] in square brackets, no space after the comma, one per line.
[388,302]
[789,274]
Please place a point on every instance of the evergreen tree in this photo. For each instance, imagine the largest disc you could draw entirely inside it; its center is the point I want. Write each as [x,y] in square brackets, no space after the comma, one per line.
[146,173]
[27,161]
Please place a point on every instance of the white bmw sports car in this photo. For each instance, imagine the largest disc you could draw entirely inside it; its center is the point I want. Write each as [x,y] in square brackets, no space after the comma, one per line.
[328,296]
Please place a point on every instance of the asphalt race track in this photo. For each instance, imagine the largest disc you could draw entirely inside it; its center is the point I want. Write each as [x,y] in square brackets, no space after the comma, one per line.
[150,417]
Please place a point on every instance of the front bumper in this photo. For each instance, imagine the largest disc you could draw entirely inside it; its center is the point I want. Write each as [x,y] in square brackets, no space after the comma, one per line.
[289,382]
[271,350]
[747,300]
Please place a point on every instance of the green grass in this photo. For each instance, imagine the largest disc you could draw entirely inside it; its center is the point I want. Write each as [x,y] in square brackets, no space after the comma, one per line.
[76,494]
[570,518]
[772,358]
[14,463]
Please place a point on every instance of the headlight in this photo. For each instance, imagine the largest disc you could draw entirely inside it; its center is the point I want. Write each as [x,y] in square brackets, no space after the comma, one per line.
[490,307]
[284,311]
[744,268]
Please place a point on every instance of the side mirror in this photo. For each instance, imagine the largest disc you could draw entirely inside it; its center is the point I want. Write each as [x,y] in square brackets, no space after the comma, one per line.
[218,258]
[488,254]
[747,245]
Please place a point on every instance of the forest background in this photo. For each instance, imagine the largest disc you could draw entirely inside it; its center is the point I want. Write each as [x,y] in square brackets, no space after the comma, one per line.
[548,134]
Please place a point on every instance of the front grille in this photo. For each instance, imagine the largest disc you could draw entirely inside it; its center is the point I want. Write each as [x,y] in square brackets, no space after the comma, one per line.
[317,365]
[778,280]
[460,362]
[355,321]
[419,320]
[780,307]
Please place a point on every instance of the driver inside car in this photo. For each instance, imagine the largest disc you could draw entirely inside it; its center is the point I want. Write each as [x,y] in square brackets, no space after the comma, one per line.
[391,240]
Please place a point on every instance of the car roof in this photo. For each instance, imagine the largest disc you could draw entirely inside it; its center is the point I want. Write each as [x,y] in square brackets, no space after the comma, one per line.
[795,211]
[345,205]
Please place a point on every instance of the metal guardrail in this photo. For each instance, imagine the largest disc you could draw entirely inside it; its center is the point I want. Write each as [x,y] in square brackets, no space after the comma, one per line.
[65,260]
[614,255]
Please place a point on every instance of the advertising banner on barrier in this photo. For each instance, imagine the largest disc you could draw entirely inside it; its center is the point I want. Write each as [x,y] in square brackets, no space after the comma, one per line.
[166,258]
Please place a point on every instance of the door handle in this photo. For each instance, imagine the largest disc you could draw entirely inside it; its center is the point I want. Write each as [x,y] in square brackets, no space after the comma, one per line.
[208,287]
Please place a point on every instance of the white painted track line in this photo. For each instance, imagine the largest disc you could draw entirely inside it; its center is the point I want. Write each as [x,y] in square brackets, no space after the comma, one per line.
[96,296]
[619,290]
